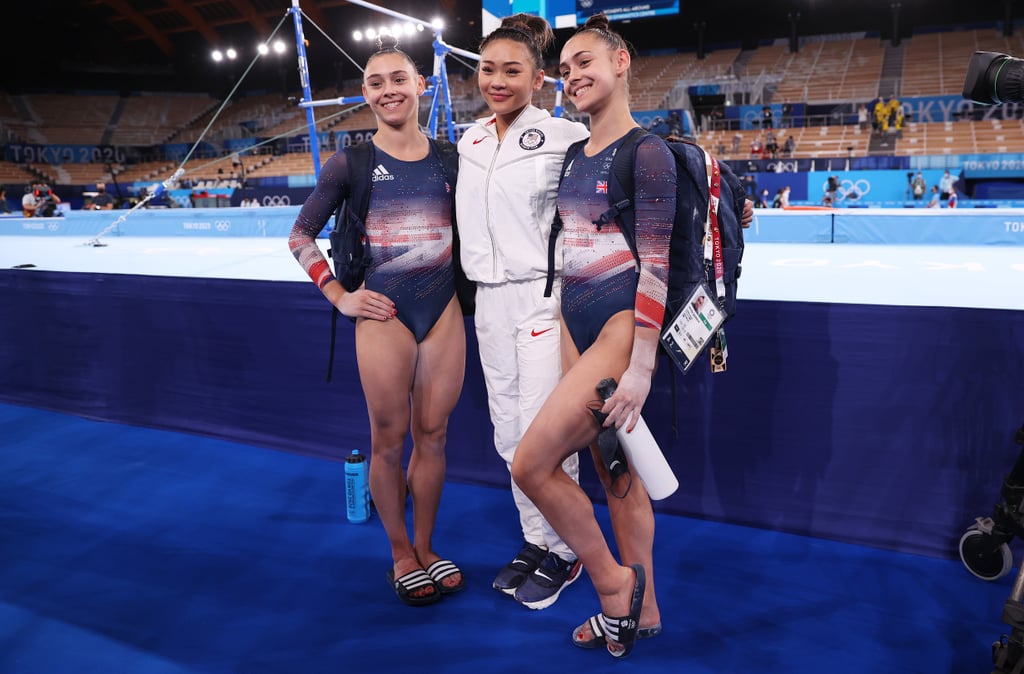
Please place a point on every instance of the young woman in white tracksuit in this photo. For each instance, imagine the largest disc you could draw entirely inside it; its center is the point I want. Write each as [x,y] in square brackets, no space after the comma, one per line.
[509,164]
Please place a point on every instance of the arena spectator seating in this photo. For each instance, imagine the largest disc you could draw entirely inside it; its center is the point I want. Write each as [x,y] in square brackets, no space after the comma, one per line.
[843,69]
[961,137]
[147,170]
[245,117]
[293,163]
[935,63]
[832,70]
[152,119]
[11,173]
[65,120]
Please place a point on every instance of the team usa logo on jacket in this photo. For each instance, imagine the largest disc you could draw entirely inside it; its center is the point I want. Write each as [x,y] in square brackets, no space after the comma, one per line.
[531,139]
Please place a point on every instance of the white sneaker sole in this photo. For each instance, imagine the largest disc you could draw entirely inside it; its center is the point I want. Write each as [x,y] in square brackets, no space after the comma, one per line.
[548,601]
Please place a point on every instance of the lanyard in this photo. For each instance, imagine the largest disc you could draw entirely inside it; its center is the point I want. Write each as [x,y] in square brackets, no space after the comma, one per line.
[712,233]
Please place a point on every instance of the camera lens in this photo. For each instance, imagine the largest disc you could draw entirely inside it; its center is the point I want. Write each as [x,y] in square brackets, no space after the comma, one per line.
[994,78]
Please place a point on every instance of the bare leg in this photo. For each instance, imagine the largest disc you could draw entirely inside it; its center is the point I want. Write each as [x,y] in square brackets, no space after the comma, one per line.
[440,369]
[562,425]
[633,524]
[386,354]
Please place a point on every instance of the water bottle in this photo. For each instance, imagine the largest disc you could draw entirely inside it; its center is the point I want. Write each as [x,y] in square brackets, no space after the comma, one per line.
[357,491]
[642,452]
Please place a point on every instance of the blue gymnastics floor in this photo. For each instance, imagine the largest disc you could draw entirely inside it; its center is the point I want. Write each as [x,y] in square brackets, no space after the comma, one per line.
[141,551]
[127,548]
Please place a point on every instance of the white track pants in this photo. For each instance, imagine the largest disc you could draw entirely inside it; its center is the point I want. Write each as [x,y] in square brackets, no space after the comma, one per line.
[518,333]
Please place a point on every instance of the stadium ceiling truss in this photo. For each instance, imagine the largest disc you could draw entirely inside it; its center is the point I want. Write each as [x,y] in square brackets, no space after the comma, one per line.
[157,21]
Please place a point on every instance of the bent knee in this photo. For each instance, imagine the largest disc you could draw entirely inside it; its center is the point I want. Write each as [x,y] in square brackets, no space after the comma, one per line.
[524,473]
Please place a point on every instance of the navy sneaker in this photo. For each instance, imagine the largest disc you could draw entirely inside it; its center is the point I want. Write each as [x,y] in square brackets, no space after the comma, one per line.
[515,572]
[553,575]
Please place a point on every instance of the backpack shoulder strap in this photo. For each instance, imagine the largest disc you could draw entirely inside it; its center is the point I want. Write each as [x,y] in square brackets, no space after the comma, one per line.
[465,290]
[449,155]
[356,201]
[556,223]
[360,165]
[621,189]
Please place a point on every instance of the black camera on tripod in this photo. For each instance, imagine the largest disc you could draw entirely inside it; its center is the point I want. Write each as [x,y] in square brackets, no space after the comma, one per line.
[994,78]
[46,202]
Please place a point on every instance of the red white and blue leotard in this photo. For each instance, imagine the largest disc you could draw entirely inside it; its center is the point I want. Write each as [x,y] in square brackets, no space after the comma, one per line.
[409,228]
[599,272]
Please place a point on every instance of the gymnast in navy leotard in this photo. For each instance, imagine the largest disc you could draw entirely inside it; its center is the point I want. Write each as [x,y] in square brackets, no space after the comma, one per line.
[410,369]
[600,275]
[409,228]
[613,309]
[410,232]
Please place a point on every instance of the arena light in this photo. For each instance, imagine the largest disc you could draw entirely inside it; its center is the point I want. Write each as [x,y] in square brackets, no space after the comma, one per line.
[263,49]
[217,56]
[279,47]
[407,29]
[231,53]
[437,23]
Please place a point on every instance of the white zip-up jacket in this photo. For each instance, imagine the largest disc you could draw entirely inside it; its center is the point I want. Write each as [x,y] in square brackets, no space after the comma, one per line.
[507,194]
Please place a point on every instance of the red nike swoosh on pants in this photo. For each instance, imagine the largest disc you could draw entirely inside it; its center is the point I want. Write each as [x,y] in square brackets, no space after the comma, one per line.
[534,333]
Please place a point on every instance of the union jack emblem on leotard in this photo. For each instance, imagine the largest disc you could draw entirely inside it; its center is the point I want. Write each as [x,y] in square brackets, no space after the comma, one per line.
[602,187]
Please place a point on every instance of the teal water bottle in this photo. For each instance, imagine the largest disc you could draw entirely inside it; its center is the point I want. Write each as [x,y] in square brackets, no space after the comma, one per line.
[357,490]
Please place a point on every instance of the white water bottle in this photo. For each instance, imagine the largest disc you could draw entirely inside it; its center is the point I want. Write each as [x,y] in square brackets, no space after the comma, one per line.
[642,452]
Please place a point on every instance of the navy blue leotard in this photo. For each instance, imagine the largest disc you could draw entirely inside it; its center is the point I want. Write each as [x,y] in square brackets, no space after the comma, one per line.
[410,233]
[600,276]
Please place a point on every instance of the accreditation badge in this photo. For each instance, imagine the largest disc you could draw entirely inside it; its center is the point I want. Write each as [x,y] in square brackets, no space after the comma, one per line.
[693,329]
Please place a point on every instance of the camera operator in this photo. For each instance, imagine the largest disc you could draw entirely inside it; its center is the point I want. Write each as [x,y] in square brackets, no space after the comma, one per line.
[29,201]
[945,185]
[45,201]
[918,187]
[102,201]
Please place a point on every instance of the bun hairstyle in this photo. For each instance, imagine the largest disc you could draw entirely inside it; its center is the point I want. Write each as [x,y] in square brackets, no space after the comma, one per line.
[599,25]
[388,44]
[529,30]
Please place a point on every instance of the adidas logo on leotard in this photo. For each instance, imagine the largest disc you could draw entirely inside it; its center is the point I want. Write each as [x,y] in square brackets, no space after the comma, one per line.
[381,173]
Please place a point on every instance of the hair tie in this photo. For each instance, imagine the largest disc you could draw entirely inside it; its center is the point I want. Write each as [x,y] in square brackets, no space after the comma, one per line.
[518,28]
[380,43]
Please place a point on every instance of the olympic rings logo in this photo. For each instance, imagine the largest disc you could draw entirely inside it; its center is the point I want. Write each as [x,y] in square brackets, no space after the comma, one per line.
[277,200]
[223,225]
[851,189]
[53,226]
